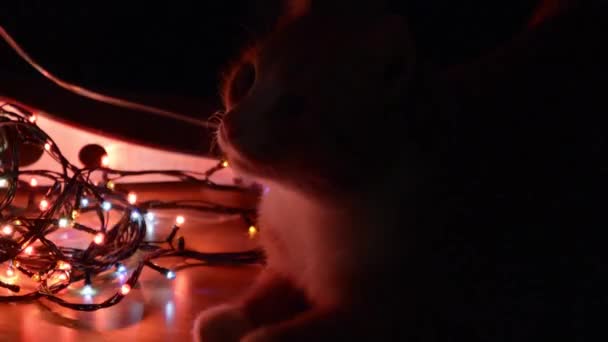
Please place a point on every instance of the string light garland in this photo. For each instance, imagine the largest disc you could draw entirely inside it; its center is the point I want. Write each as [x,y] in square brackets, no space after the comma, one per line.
[30,255]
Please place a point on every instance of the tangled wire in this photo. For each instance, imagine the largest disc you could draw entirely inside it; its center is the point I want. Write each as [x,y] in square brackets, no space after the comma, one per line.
[28,249]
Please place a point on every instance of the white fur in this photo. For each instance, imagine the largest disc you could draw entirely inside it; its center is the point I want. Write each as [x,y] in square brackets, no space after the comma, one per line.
[307,241]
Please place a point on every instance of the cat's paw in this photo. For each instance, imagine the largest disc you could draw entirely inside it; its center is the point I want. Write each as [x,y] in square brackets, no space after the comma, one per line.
[223,323]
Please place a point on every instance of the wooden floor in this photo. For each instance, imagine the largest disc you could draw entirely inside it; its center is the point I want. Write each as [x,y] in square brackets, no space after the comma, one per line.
[158,309]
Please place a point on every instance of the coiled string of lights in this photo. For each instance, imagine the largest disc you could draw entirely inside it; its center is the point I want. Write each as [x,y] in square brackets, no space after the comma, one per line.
[31,254]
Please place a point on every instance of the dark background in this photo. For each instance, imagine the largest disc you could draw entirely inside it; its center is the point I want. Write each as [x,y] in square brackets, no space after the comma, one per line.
[171,54]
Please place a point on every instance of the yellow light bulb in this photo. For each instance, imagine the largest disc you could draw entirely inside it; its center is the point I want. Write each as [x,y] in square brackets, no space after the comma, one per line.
[110,185]
[65,266]
[33,182]
[17,222]
[225,163]
[33,118]
[47,146]
[252,231]
[179,220]
[75,214]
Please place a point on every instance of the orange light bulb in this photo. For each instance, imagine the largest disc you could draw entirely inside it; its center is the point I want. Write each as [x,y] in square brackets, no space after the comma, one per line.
[105,160]
[125,289]
[98,239]
[44,205]
[132,198]
[7,230]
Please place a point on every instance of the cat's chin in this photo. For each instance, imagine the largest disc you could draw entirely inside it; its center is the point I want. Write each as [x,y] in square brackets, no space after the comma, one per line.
[238,163]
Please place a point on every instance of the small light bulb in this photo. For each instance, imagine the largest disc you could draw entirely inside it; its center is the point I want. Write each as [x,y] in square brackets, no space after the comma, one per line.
[98,239]
[179,220]
[63,222]
[17,222]
[33,118]
[132,197]
[29,250]
[125,289]
[110,185]
[75,214]
[106,206]
[65,266]
[84,202]
[170,275]
[121,268]
[252,231]
[44,205]
[105,160]
[7,230]
[135,215]
[225,163]
[87,290]
[3,183]
[47,146]
[33,182]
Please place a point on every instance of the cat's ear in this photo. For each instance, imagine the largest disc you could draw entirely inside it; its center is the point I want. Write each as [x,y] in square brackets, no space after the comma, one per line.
[239,78]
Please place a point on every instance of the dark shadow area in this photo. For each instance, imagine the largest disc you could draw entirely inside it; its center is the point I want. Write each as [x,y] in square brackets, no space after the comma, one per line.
[172,55]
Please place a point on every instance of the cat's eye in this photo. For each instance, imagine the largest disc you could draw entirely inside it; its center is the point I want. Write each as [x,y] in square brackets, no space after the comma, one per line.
[242,82]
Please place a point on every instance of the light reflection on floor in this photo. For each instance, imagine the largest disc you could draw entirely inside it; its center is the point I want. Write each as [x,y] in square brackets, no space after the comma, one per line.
[158,309]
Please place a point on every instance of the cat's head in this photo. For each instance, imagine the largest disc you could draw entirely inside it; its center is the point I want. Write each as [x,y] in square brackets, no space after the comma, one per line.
[321,100]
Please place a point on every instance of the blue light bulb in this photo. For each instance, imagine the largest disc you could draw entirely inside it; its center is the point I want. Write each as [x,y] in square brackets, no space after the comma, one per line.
[106,205]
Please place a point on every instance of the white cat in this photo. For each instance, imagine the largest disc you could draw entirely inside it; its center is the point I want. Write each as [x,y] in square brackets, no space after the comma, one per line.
[330,114]
[307,116]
